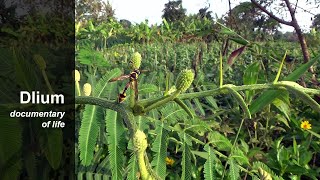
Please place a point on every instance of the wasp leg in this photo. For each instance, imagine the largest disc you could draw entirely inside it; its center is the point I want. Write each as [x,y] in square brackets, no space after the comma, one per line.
[136,91]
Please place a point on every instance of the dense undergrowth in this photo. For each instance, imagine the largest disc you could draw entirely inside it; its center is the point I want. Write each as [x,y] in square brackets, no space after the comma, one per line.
[243,116]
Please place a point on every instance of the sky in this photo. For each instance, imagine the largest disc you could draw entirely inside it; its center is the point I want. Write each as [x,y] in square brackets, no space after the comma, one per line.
[138,11]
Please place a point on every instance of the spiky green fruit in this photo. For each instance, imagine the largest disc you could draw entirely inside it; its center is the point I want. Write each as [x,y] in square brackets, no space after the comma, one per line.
[184,80]
[140,141]
[40,61]
[136,61]
[87,89]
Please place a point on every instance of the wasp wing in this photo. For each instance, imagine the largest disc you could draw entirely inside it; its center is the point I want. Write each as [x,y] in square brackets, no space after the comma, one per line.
[120,78]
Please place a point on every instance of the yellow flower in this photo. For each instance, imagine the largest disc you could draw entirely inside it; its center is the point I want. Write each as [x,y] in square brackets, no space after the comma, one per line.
[169,161]
[305,125]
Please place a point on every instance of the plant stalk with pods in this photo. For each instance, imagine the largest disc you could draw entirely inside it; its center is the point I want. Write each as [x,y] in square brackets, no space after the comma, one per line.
[140,107]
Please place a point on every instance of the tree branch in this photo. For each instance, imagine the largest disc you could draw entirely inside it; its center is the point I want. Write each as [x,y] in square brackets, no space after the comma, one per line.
[271,14]
[291,11]
[295,7]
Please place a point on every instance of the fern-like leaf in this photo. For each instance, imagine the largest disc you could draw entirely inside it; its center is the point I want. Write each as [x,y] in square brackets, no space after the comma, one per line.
[159,147]
[141,122]
[220,141]
[89,56]
[116,146]
[53,147]
[147,88]
[88,133]
[256,165]
[132,167]
[103,88]
[209,166]
[210,100]
[10,146]
[90,121]
[186,160]
[173,113]
[234,171]
[198,104]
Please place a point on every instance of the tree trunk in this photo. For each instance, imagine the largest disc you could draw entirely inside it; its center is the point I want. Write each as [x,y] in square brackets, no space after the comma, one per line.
[304,48]
[303,43]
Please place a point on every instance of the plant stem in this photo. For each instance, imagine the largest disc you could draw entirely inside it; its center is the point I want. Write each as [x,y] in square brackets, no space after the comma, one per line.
[162,102]
[217,91]
[125,113]
[142,166]
[47,81]
[221,70]
[78,92]
[280,68]
[233,146]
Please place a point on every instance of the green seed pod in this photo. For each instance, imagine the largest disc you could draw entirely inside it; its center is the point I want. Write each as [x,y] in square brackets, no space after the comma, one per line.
[87,89]
[76,75]
[184,80]
[136,61]
[40,61]
[140,141]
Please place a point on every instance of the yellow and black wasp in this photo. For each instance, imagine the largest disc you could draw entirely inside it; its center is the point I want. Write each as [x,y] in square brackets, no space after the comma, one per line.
[133,76]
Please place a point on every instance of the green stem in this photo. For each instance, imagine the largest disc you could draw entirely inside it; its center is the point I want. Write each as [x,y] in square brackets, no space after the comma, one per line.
[280,68]
[162,102]
[145,175]
[221,71]
[267,122]
[310,139]
[47,81]
[78,88]
[222,91]
[184,107]
[149,101]
[233,146]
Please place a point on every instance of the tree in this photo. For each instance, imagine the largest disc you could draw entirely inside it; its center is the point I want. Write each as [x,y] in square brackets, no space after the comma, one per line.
[293,23]
[291,8]
[316,22]
[173,11]
[246,16]
[96,10]
[204,13]
[125,23]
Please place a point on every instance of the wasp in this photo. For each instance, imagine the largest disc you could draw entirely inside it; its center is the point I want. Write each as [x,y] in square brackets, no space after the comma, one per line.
[133,83]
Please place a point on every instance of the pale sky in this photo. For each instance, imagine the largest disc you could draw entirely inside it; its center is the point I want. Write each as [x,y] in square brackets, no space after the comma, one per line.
[137,11]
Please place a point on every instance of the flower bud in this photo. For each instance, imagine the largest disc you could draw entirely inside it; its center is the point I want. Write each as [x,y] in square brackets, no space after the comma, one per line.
[40,61]
[184,80]
[140,141]
[136,61]
[76,75]
[87,89]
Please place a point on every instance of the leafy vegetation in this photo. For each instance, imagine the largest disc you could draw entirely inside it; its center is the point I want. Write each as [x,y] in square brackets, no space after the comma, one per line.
[244,115]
